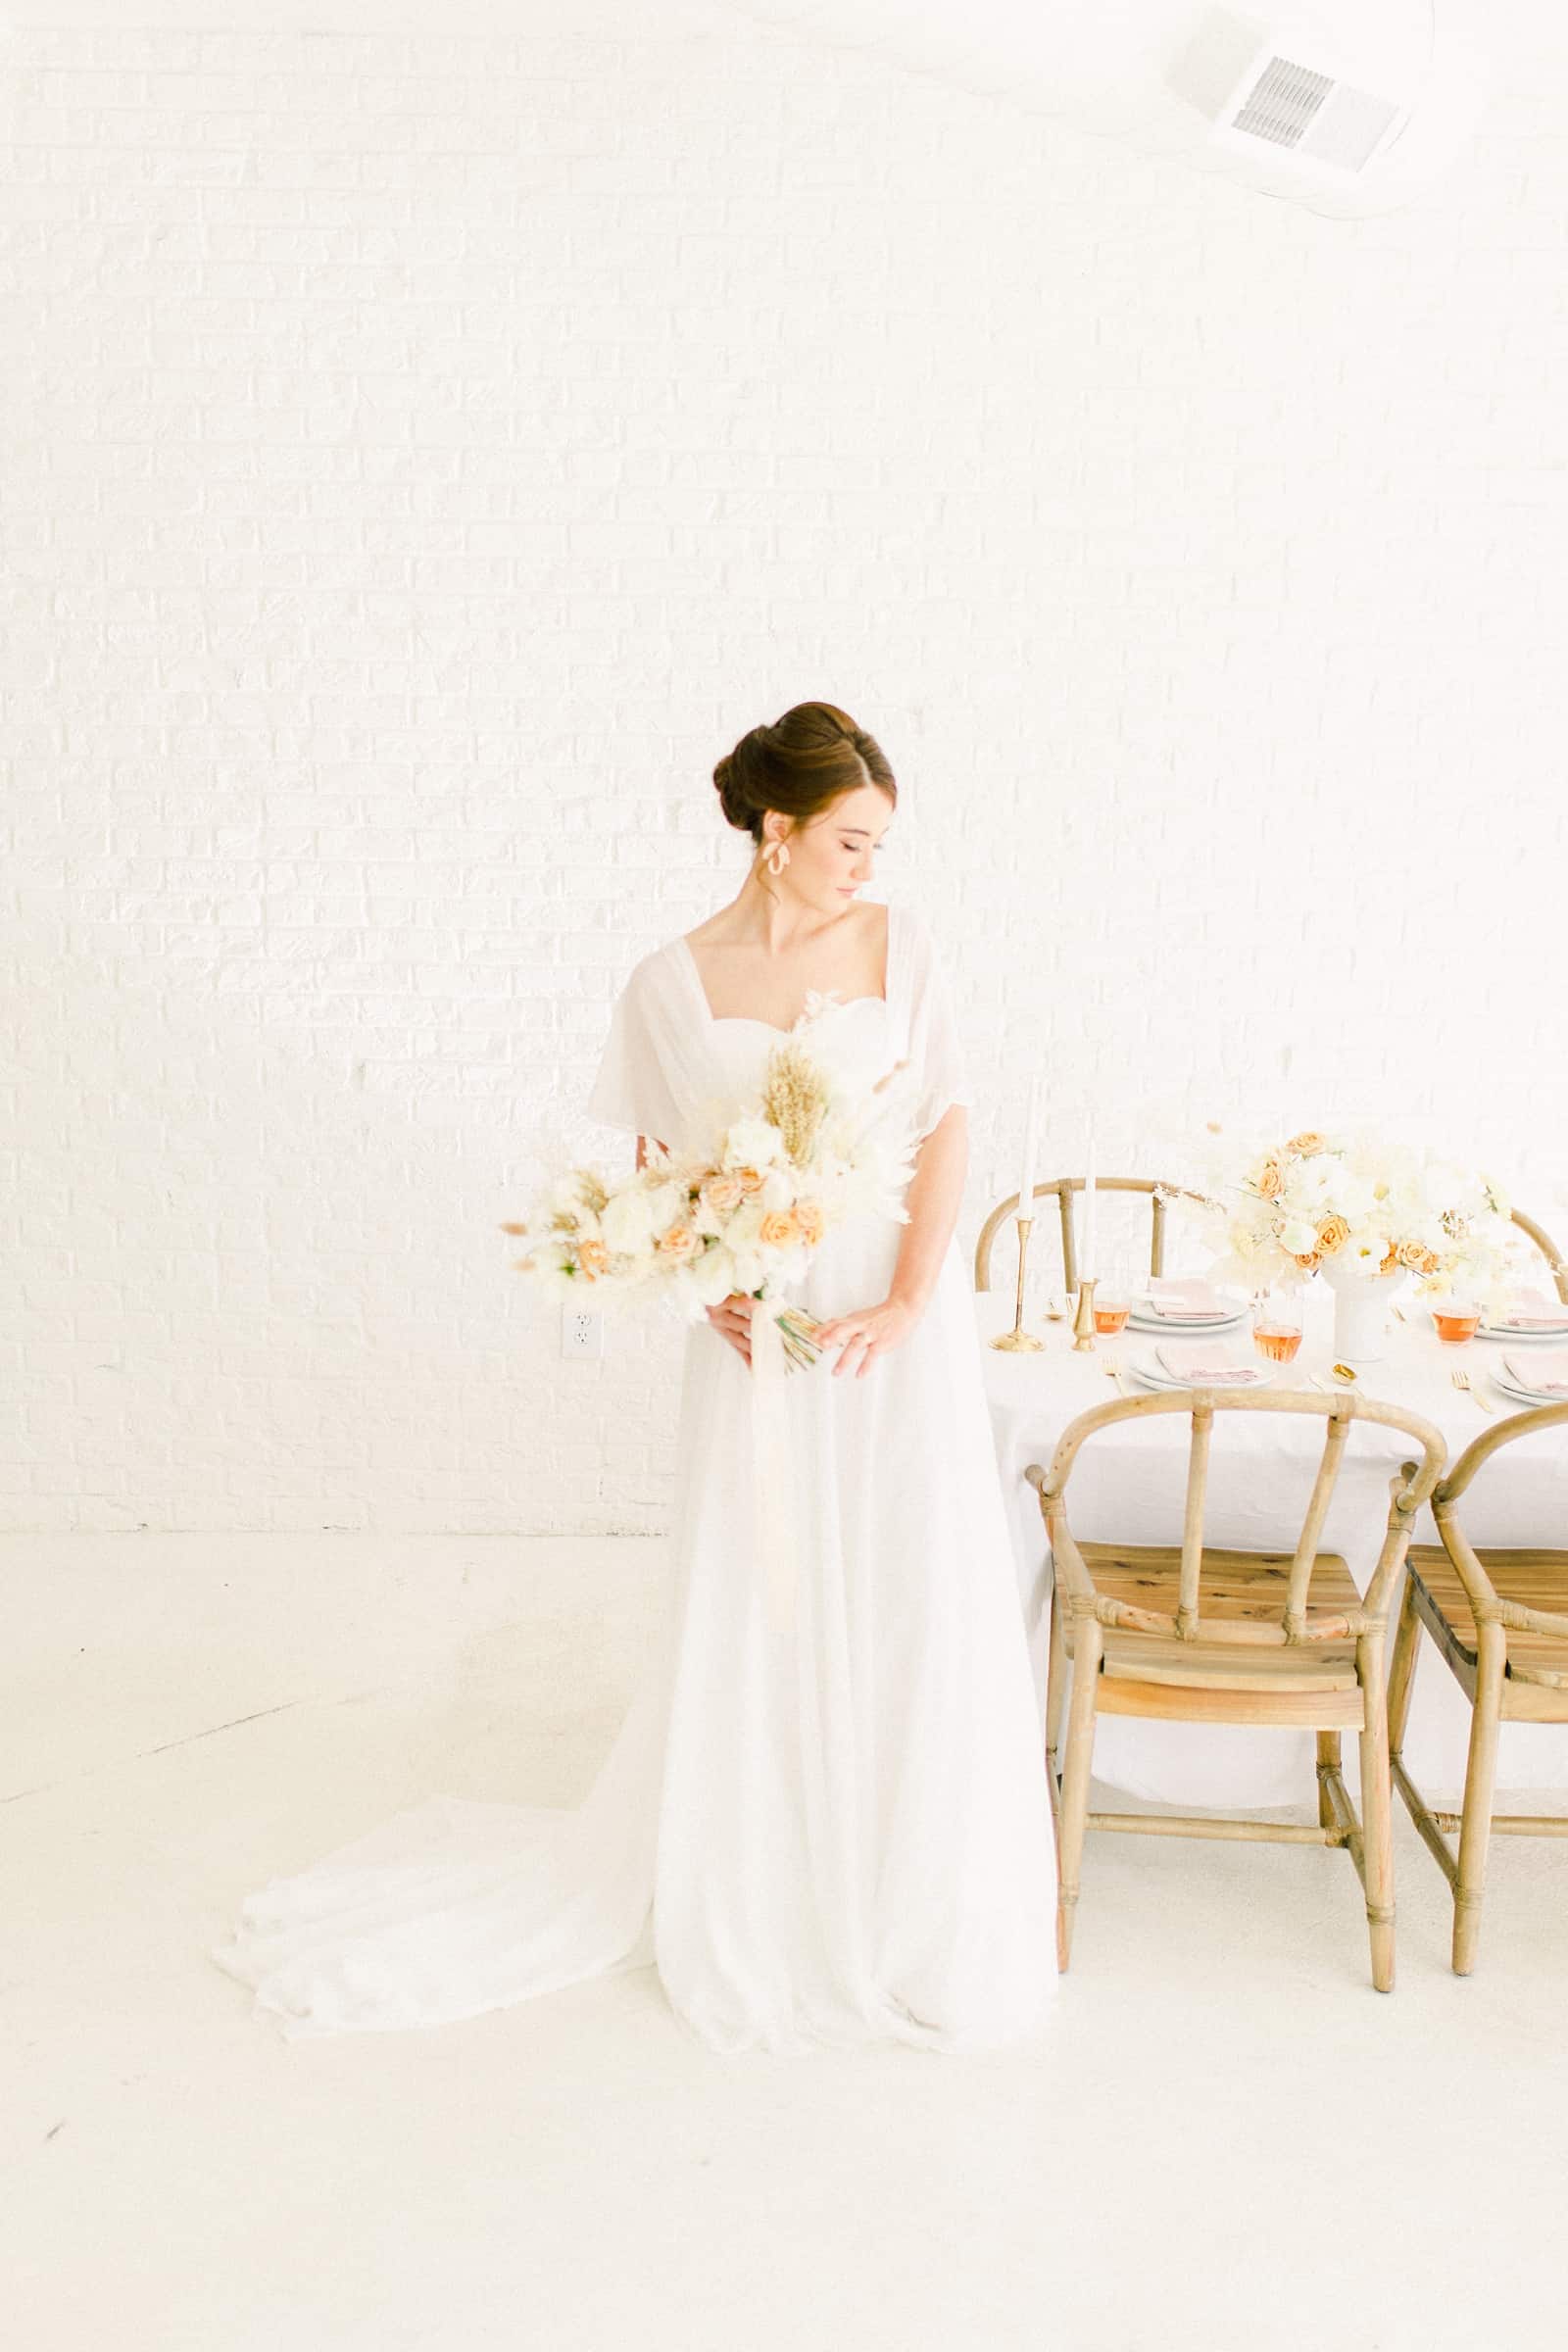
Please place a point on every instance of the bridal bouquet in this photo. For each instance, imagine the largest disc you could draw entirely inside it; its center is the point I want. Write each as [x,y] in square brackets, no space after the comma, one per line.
[747,1214]
[1354,1204]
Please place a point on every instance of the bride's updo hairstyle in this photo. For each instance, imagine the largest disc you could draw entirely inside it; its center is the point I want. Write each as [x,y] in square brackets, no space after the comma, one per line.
[802,764]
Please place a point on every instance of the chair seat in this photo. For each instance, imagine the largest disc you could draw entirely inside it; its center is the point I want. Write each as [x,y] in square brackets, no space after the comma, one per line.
[1538,1579]
[1251,1585]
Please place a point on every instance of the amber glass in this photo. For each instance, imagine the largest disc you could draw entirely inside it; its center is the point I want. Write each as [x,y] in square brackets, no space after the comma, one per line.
[1276,1329]
[1454,1326]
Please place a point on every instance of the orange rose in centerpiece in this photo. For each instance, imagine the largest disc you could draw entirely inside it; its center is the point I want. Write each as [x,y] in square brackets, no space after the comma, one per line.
[809,1217]
[1418,1258]
[722,1194]
[750,1180]
[679,1245]
[778,1229]
[1271,1178]
[1309,1263]
[1332,1235]
[593,1258]
[1391,1264]
[1307,1144]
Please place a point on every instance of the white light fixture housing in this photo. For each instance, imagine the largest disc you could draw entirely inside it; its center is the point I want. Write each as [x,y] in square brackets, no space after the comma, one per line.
[1282,101]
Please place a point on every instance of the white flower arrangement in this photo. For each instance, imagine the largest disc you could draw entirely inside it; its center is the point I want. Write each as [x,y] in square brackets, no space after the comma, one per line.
[747,1214]
[1357,1204]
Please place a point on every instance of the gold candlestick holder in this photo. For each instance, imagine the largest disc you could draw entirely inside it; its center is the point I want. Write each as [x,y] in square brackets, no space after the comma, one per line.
[1083,1322]
[1017,1341]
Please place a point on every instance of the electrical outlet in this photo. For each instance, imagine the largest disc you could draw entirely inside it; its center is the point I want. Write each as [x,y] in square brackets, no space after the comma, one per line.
[581,1333]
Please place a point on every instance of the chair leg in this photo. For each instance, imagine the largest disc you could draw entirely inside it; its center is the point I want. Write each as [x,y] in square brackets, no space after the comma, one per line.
[1480,1774]
[1328,1760]
[1377,1812]
[1088,1648]
[1402,1672]
[1055,1683]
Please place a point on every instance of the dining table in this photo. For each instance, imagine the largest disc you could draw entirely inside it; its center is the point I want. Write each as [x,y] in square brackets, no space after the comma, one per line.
[1128,1482]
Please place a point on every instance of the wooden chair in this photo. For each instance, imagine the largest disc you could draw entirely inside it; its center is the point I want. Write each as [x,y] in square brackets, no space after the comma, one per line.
[1501,1621]
[1190,1633]
[1161,1195]
[1549,1250]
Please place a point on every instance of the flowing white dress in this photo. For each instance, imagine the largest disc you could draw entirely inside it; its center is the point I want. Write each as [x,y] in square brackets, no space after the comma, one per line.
[826,1832]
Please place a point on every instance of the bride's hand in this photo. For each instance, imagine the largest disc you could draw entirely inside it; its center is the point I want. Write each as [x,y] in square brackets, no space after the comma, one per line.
[732,1320]
[869,1333]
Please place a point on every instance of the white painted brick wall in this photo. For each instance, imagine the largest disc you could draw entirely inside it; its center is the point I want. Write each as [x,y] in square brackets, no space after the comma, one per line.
[423,457]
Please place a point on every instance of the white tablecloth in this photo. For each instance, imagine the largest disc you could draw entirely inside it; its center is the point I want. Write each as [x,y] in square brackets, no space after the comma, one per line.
[1127,1486]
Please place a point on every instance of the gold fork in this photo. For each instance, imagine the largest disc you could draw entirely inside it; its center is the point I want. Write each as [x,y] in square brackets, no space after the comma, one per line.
[1112,1370]
[1463,1380]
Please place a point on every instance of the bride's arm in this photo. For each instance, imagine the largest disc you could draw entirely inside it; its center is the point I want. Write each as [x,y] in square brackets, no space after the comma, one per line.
[936,1189]
[933,1199]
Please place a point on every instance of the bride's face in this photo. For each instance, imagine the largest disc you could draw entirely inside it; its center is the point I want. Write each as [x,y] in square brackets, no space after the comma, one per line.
[832,855]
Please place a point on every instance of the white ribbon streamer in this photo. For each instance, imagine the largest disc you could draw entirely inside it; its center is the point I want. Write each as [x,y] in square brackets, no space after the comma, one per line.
[774,1495]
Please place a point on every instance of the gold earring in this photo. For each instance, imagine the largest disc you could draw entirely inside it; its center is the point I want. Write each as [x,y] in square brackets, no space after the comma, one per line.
[777,859]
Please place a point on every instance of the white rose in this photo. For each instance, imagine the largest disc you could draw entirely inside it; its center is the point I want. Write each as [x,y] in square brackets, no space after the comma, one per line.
[745,1224]
[626,1222]
[752,1143]
[712,1275]
[665,1204]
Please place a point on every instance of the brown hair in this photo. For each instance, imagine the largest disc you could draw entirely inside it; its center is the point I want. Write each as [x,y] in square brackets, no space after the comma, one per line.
[804,761]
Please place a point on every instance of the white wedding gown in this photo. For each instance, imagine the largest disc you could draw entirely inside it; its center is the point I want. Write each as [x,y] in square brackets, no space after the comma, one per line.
[827,1831]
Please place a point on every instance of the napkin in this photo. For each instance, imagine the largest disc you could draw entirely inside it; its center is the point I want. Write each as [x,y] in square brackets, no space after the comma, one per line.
[1532,1311]
[1544,1374]
[1197,1370]
[1186,1301]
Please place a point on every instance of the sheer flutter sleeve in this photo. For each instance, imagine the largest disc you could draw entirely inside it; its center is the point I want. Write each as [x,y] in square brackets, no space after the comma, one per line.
[936,1050]
[633,1088]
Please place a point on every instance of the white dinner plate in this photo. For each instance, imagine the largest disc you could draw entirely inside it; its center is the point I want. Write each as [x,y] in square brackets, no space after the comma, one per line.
[1521,1396]
[1550,1332]
[1183,1325]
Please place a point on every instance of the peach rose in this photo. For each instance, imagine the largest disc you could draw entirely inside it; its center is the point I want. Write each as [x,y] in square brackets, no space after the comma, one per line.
[750,1180]
[1332,1235]
[778,1229]
[1308,1142]
[677,1245]
[593,1258]
[1418,1258]
[1310,1262]
[1271,1178]
[1391,1264]
[722,1194]
[809,1217]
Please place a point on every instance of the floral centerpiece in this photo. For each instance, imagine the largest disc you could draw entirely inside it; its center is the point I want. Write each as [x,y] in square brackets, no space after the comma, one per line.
[746,1214]
[1364,1212]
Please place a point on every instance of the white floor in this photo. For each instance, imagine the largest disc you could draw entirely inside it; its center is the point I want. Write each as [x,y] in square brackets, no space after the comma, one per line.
[1229,2140]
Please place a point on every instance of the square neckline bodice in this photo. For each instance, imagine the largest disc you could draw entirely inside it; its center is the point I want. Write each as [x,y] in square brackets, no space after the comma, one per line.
[815,999]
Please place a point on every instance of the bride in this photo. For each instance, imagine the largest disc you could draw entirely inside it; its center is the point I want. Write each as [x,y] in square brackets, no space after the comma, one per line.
[833,1829]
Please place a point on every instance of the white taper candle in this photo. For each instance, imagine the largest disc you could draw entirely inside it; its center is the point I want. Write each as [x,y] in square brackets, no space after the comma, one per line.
[1031,1140]
[1091,1265]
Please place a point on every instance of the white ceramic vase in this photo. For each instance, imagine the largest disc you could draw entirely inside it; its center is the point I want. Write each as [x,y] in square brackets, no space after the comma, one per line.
[1361,1313]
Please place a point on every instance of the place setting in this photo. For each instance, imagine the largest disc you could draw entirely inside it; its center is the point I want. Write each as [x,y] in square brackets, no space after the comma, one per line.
[1523,1342]
[1201,1344]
